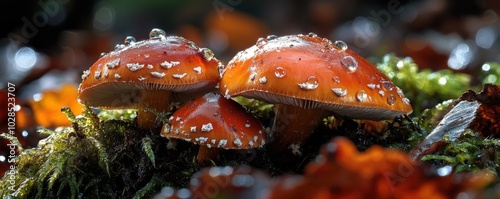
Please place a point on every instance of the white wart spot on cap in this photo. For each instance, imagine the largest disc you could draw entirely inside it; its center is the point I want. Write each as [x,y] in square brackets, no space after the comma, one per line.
[168,65]
[197,70]
[117,76]
[206,127]
[222,143]
[158,74]
[192,129]
[85,74]
[237,142]
[179,76]
[201,140]
[113,64]
[135,66]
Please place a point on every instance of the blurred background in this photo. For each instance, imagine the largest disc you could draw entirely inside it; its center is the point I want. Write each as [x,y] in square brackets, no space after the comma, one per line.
[46,44]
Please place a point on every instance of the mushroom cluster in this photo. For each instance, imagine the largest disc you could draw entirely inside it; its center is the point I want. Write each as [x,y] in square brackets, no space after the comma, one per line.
[149,74]
[308,77]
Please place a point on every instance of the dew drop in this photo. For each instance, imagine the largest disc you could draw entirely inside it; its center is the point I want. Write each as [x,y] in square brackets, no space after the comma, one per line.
[252,76]
[311,34]
[129,40]
[341,45]
[406,101]
[350,63]
[310,84]
[336,79]
[339,92]
[102,55]
[119,47]
[206,53]
[391,99]
[263,80]
[261,41]
[388,85]
[157,33]
[271,37]
[400,92]
[280,72]
[361,96]
[372,86]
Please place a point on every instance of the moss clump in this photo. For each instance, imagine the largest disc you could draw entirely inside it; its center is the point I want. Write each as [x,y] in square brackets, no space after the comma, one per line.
[468,153]
[94,159]
[425,88]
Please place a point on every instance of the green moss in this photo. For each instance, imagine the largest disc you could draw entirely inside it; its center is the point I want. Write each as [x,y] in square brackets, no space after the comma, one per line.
[468,153]
[93,158]
[490,73]
[425,88]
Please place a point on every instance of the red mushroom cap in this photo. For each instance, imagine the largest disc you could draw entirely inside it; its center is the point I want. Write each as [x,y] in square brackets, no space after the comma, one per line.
[312,72]
[159,63]
[216,122]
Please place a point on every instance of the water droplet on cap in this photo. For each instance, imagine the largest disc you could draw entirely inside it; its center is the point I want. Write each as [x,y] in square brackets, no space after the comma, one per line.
[206,53]
[341,45]
[129,40]
[361,96]
[388,85]
[391,99]
[271,37]
[406,101]
[280,72]
[336,79]
[102,54]
[311,34]
[119,47]
[261,41]
[339,92]
[350,63]
[157,33]
[310,84]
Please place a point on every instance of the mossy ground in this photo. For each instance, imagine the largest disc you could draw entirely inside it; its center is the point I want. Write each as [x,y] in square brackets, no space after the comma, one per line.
[108,156]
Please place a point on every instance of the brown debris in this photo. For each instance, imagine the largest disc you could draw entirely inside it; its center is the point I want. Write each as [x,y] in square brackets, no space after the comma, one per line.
[487,118]
[476,111]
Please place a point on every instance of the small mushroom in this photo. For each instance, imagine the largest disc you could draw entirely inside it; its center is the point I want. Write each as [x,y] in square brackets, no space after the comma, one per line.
[147,74]
[306,77]
[215,123]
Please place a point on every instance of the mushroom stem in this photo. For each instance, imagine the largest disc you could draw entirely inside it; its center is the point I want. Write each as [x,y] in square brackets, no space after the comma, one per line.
[151,103]
[205,154]
[293,125]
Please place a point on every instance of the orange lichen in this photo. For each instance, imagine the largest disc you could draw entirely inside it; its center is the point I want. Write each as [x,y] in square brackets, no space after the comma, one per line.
[47,110]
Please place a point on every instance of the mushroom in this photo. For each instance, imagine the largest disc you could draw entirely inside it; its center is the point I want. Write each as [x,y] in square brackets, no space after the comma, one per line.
[146,74]
[215,123]
[307,76]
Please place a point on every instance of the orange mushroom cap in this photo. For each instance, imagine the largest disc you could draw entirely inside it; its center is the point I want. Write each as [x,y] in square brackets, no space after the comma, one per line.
[159,63]
[216,122]
[312,72]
